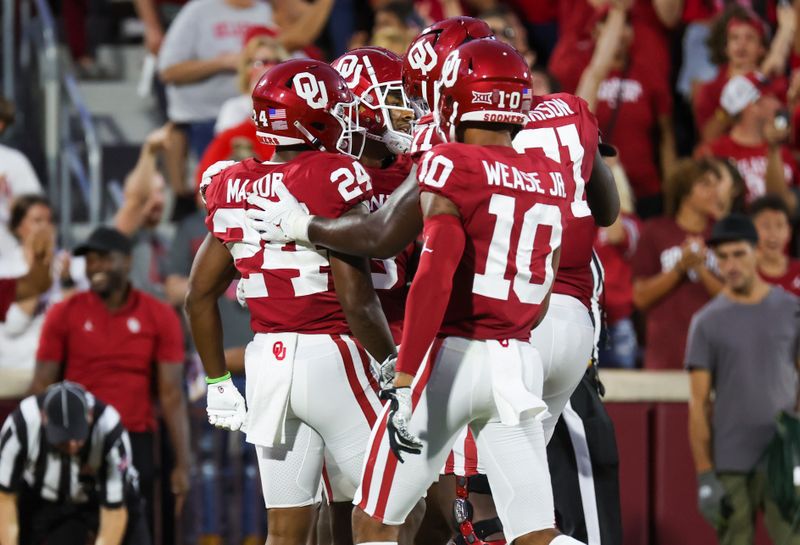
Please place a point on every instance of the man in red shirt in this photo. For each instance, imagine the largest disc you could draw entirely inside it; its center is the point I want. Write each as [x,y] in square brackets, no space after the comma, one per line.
[756,140]
[112,339]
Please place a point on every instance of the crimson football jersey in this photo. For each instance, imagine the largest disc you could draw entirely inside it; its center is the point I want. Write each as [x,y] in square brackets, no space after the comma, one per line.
[389,276]
[563,129]
[427,134]
[289,287]
[511,208]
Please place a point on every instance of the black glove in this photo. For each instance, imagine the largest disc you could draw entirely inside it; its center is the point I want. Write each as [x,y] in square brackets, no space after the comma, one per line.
[400,439]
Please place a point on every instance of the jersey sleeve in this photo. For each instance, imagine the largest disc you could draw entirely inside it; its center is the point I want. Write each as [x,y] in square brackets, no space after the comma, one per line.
[443,171]
[225,223]
[53,340]
[589,131]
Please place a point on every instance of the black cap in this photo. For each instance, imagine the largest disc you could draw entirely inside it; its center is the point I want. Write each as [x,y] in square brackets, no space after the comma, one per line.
[733,228]
[67,413]
[105,239]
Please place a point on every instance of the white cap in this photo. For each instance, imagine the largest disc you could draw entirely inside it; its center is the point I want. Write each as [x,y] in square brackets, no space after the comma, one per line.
[739,93]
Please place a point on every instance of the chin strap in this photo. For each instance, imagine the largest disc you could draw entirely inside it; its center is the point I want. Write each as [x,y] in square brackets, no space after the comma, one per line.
[473,533]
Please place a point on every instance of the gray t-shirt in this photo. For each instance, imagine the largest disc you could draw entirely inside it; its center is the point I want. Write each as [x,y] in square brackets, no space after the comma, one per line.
[188,237]
[205,29]
[752,353]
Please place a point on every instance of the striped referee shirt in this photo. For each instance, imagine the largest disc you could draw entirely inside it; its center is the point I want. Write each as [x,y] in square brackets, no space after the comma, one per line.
[100,472]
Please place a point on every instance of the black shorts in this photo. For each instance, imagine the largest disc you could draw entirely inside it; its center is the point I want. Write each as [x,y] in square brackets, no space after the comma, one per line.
[586,421]
[42,521]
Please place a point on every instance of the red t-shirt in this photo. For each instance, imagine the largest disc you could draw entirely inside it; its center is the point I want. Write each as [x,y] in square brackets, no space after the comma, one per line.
[237,143]
[510,206]
[618,272]
[668,319]
[8,293]
[289,287]
[751,161]
[112,353]
[536,11]
[640,99]
[390,276]
[563,129]
[701,10]
[790,281]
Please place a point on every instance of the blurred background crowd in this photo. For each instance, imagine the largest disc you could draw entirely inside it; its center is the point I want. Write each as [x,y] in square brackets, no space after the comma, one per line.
[701,98]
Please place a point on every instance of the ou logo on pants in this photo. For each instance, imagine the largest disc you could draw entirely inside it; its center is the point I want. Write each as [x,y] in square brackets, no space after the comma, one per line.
[279,351]
[311,89]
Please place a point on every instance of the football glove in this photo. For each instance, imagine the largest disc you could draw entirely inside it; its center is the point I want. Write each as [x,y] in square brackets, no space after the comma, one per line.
[281,220]
[225,406]
[384,371]
[241,295]
[400,408]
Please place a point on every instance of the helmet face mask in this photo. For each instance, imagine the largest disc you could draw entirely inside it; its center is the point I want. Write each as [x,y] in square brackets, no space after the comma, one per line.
[353,136]
[373,74]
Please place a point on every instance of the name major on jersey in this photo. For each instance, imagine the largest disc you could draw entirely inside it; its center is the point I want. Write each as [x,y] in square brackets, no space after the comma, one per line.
[238,189]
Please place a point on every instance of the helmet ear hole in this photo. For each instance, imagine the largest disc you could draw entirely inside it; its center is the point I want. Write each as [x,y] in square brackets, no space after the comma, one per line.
[318,126]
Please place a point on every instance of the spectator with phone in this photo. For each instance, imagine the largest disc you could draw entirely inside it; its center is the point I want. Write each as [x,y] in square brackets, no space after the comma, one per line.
[757,138]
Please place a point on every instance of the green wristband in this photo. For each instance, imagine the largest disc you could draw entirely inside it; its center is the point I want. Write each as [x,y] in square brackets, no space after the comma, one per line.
[224,377]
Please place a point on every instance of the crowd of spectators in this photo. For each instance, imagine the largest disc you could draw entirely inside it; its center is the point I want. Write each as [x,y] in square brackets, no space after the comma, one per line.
[701,98]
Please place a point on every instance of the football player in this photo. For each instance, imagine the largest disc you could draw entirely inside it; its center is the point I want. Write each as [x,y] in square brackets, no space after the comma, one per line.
[373,74]
[308,306]
[492,235]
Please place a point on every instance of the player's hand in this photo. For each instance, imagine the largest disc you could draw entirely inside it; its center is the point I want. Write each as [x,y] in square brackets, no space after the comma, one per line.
[209,173]
[384,371]
[283,219]
[711,498]
[225,406]
[241,296]
[400,439]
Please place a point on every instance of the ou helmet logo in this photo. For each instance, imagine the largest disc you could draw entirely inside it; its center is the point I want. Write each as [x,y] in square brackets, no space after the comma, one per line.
[350,69]
[450,69]
[422,57]
[311,89]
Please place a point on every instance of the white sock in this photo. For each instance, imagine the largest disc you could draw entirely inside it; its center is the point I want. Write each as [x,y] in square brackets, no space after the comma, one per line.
[565,540]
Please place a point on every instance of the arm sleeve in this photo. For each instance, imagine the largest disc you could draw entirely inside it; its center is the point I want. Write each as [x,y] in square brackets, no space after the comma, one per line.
[53,340]
[8,293]
[13,451]
[699,352]
[430,291]
[169,345]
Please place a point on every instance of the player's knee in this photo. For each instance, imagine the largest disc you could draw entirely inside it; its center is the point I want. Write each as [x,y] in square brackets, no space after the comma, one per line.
[289,526]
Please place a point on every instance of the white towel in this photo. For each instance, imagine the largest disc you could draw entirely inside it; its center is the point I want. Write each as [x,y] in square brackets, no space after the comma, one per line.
[269,361]
[511,396]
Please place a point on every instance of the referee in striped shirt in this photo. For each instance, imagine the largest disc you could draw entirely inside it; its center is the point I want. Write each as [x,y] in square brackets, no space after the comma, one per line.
[66,473]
